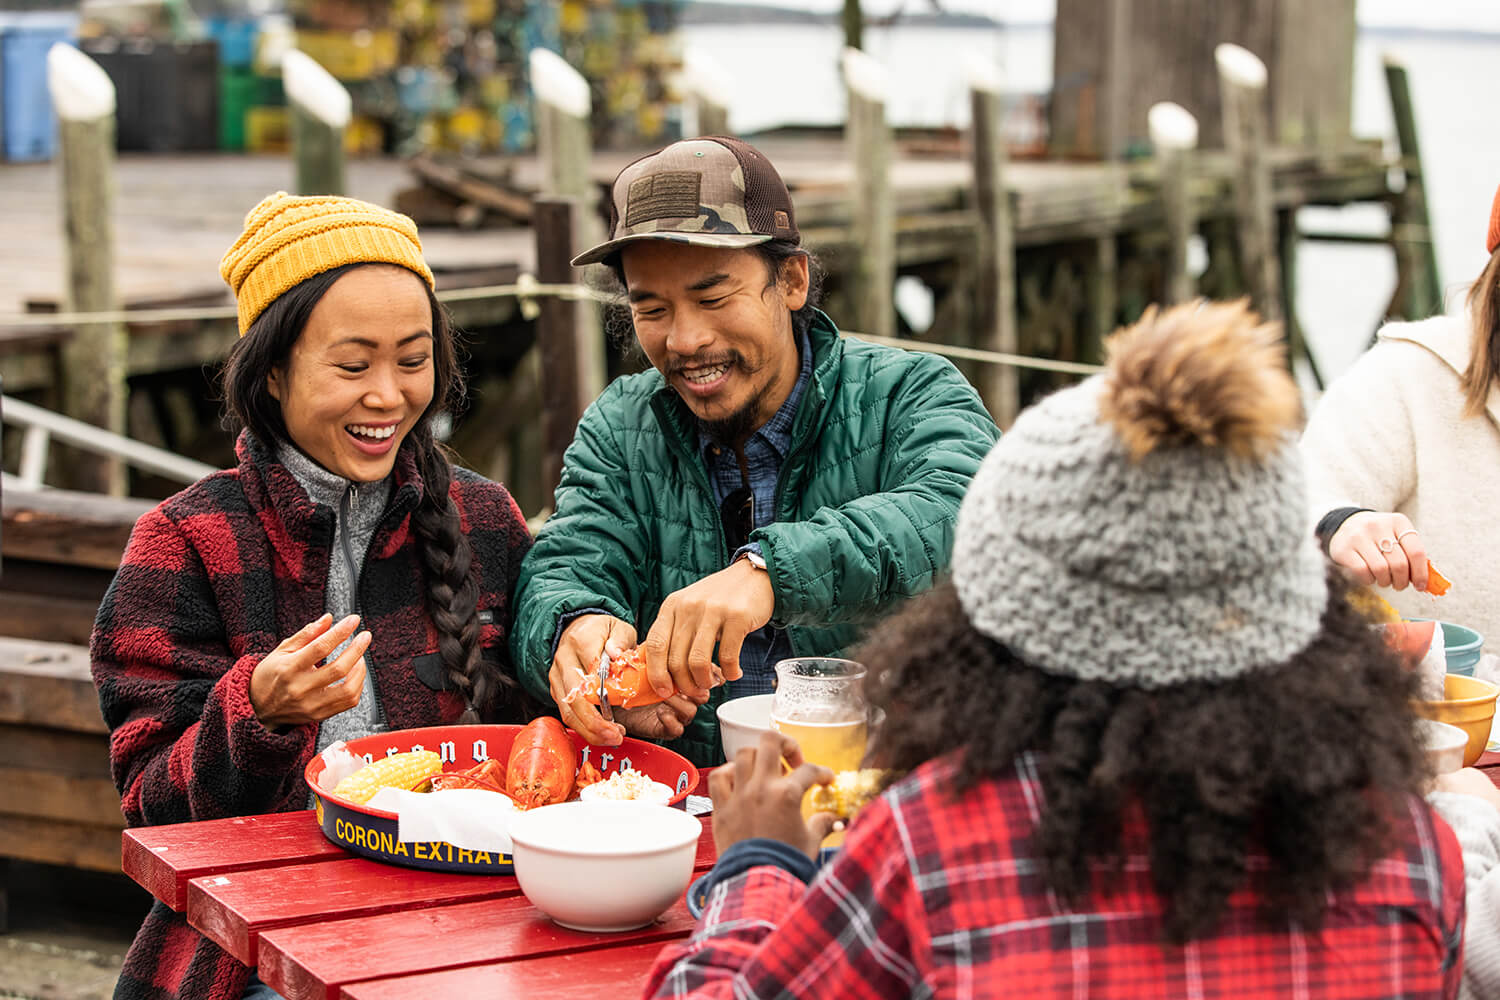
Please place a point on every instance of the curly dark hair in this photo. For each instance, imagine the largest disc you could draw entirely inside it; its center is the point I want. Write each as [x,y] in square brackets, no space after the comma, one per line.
[445,554]
[1305,760]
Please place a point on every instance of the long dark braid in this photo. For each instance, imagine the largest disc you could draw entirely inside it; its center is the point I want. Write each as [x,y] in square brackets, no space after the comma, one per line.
[452,591]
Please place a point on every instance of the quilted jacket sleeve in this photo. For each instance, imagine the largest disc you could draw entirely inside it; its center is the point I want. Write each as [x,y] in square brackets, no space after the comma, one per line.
[847,563]
[582,556]
[184,741]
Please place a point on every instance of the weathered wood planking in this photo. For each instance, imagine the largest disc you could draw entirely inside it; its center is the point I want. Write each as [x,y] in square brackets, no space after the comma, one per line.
[59,842]
[58,526]
[60,804]
[48,684]
[1113,59]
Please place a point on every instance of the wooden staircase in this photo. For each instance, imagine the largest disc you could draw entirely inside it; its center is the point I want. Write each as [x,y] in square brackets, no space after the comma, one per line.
[58,552]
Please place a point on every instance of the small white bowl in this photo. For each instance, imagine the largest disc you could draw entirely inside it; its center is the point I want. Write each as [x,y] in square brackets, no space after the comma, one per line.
[742,720]
[602,865]
[1444,744]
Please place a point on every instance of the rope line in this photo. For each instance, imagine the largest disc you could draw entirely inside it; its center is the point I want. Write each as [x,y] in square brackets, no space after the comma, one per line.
[520,290]
[527,289]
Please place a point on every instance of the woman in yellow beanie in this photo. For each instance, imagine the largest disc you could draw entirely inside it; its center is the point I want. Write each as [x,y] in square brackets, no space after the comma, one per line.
[342,579]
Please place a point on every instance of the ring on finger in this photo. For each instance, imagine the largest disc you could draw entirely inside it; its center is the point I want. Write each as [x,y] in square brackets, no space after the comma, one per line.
[1387,545]
[1408,531]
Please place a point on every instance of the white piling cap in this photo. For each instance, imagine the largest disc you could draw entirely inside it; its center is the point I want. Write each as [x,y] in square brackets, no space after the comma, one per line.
[1240,65]
[314,90]
[983,74]
[703,75]
[81,90]
[864,75]
[1172,126]
[558,84]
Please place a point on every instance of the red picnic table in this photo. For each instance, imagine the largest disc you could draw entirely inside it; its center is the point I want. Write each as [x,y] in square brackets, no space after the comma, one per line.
[318,922]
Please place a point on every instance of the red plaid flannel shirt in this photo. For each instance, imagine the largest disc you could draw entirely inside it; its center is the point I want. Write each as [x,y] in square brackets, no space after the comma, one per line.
[211,581]
[934,897]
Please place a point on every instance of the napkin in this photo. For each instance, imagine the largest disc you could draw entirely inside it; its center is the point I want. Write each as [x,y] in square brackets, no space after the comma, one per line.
[470,819]
[1433,668]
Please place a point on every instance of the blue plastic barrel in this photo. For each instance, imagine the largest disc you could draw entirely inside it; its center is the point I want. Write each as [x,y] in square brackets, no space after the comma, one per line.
[28,128]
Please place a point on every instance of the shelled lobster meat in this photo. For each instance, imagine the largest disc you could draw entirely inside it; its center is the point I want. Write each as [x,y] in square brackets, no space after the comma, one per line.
[626,682]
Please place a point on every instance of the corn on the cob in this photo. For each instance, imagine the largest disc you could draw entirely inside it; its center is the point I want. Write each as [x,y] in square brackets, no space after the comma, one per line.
[401,770]
[850,790]
[1372,605]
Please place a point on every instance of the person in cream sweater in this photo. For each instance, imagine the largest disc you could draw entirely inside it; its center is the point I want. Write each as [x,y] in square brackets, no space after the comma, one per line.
[1403,460]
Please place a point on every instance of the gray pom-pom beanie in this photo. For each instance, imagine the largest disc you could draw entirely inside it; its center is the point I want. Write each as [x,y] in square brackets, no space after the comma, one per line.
[1188,563]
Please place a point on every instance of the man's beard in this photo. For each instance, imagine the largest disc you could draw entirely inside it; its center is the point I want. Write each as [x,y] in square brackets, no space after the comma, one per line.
[730,431]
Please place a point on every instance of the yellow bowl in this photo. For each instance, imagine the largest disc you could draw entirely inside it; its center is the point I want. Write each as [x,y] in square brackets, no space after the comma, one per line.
[1469,704]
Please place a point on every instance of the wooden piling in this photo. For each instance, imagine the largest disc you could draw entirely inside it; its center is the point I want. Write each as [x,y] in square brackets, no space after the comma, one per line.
[1296,342]
[995,303]
[1411,229]
[565,149]
[1174,136]
[93,359]
[873,271]
[1242,92]
[320,110]
[563,391]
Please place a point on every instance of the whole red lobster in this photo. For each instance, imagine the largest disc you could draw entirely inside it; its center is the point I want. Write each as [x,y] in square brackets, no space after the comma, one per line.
[543,764]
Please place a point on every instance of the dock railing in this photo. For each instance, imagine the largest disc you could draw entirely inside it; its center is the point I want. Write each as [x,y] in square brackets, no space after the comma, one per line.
[40,426]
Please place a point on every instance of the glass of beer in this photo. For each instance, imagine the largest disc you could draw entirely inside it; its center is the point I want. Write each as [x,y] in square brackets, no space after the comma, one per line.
[820,703]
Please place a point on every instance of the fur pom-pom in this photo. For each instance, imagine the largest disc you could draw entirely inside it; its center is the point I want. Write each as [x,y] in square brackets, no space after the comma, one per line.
[1205,373]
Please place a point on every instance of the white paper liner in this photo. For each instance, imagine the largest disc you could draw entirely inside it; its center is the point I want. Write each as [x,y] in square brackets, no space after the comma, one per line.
[470,819]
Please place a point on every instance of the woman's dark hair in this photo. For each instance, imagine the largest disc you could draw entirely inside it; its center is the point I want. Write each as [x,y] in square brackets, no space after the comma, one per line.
[447,559]
[774,254]
[1305,760]
[1484,338]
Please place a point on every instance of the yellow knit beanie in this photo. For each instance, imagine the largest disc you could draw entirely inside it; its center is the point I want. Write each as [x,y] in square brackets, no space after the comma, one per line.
[289,239]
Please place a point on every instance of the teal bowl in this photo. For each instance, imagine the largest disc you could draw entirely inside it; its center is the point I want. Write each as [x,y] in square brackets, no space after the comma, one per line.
[1462,646]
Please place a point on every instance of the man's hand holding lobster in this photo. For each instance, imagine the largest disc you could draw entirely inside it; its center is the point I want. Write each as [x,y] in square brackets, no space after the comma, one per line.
[576,664]
[719,610]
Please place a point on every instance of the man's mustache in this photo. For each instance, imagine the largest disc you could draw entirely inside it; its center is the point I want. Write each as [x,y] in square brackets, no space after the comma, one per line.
[678,367]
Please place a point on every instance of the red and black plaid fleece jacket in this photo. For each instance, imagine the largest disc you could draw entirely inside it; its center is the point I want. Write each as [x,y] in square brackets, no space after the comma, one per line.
[937,897]
[212,580]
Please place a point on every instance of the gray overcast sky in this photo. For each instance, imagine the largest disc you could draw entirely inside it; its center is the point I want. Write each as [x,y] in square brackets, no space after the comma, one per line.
[1480,15]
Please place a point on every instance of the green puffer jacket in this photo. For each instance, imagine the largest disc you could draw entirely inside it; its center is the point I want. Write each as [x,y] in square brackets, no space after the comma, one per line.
[884,445]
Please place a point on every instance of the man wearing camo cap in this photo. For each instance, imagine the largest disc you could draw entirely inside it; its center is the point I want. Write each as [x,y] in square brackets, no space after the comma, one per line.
[767,490]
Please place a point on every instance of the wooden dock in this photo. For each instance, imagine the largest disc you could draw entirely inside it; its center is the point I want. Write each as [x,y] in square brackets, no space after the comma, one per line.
[1090,254]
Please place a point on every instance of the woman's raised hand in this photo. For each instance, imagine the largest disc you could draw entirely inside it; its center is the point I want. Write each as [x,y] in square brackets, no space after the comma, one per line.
[293,686]
[759,794]
[1380,548]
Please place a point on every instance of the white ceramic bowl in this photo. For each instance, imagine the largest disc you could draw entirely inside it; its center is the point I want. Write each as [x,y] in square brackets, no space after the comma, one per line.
[1444,744]
[604,866]
[741,722]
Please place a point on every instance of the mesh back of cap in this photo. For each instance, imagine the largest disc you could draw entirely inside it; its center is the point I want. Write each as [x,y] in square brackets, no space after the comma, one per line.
[765,192]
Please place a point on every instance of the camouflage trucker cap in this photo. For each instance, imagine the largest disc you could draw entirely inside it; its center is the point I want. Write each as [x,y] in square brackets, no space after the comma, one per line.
[712,191]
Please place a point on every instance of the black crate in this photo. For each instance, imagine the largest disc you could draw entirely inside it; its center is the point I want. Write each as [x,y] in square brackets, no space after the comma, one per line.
[167,93]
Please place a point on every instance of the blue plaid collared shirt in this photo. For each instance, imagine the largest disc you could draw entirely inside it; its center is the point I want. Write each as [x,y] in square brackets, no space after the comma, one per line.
[764,454]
